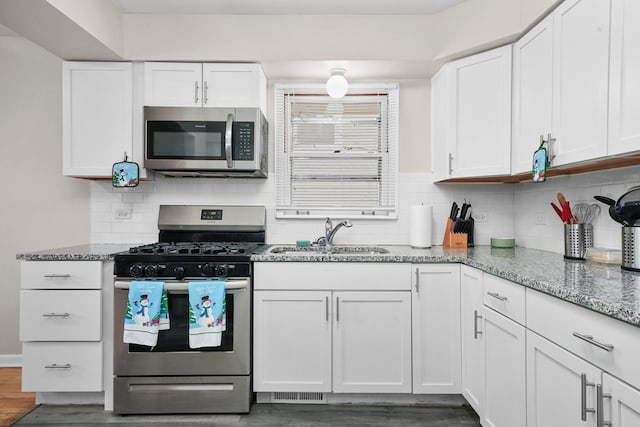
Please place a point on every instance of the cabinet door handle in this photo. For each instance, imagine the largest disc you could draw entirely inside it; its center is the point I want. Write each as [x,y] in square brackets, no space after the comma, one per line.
[450,163]
[56,366]
[205,96]
[551,141]
[600,396]
[55,315]
[326,308]
[590,340]
[497,296]
[57,276]
[476,317]
[197,99]
[337,309]
[417,280]
[583,397]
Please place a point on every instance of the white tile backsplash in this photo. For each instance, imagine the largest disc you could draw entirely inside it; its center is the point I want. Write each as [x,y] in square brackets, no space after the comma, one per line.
[511,209]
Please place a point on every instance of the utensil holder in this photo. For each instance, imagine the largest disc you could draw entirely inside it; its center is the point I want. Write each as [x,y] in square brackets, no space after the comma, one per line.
[630,248]
[588,235]
[574,241]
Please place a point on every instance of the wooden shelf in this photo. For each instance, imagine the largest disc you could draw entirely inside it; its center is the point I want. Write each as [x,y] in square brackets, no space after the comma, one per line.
[573,169]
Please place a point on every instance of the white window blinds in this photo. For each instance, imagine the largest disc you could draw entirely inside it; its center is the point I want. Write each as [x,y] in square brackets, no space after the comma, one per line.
[336,157]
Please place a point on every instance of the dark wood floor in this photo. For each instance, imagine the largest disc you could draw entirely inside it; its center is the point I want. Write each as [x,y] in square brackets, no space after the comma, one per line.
[13,403]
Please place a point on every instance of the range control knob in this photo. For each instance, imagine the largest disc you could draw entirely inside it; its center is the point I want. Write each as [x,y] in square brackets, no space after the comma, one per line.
[178,272]
[221,270]
[136,270]
[151,270]
[207,269]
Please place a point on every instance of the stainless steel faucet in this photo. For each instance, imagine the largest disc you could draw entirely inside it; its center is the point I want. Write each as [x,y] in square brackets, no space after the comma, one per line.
[330,231]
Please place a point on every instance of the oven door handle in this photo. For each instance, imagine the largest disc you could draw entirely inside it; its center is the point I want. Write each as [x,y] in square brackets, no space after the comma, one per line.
[184,286]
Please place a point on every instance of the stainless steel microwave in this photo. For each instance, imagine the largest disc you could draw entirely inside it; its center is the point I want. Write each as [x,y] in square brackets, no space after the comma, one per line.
[206,142]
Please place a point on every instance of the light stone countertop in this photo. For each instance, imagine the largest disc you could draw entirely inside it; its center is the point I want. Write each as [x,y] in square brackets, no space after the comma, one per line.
[90,252]
[604,288]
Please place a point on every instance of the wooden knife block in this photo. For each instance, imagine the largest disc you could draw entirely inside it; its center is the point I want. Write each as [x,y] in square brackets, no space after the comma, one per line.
[453,240]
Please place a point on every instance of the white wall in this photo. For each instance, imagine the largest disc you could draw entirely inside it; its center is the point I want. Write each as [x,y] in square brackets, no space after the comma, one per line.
[40,208]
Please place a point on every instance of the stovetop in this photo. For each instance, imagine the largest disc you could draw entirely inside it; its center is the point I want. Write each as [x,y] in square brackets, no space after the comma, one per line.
[194,249]
[183,260]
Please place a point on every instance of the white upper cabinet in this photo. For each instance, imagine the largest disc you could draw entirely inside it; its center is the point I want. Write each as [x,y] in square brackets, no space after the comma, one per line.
[204,85]
[97,117]
[560,85]
[581,80]
[168,84]
[624,92]
[476,116]
[532,93]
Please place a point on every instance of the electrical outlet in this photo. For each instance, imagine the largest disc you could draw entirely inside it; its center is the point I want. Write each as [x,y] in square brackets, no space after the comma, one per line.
[481,216]
[541,218]
[123,212]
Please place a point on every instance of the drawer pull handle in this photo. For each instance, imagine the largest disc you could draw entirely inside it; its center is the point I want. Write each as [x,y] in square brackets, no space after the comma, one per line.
[55,315]
[476,317]
[57,276]
[417,280]
[583,397]
[497,296]
[590,340]
[56,366]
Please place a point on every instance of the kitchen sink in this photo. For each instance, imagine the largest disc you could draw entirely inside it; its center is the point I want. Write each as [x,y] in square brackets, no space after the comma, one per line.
[335,250]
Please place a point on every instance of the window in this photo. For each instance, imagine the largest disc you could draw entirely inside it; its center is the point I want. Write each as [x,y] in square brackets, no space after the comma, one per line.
[336,157]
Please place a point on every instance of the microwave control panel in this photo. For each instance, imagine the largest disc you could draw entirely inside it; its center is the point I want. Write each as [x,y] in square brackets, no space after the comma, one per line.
[243,141]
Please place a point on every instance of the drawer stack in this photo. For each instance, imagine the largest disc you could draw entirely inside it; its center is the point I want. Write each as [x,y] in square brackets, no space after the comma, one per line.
[61,326]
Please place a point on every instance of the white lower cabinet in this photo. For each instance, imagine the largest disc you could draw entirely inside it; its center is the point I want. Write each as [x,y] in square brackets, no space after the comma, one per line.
[436,328]
[558,383]
[323,337]
[62,305]
[473,380]
[620,403]
[505,390]
[292,348]
[372,342]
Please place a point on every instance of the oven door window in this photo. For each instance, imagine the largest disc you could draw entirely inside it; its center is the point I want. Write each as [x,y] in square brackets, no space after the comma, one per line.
[176,338]
[187,140]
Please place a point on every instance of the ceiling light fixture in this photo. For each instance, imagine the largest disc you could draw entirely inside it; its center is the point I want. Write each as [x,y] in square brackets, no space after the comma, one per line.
[337,85]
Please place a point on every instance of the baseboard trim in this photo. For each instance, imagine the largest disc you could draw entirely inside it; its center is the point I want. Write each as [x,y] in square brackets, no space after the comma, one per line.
[10,360]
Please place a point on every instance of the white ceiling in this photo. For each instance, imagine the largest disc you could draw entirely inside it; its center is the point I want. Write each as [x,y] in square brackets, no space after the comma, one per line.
[286,7]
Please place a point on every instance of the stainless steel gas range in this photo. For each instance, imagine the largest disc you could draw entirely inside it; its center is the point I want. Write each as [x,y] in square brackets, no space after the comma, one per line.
[196,243]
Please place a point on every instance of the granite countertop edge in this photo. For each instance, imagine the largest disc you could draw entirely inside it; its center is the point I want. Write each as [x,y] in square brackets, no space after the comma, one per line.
[88,252]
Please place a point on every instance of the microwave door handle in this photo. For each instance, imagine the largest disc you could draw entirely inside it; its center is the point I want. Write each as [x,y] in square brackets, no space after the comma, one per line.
[227,141]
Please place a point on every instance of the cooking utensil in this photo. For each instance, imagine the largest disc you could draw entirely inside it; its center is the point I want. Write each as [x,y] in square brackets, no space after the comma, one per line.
[612,208]
[454,211]
[566,209]
[558,211]
[585,213]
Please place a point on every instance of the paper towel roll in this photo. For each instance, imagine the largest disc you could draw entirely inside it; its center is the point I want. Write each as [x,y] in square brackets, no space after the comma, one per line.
[420,228]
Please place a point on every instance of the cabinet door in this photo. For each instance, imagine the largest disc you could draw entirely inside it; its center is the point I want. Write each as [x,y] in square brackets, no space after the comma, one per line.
[481,109]
[170,84]
[233,85]
[555,388]
[97,107]
[532,93]
[372,342]
[624,95]
[581,79]
[292,341]
[624,407]
[436,328]
[472,340]
[440,124]
[505,391]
